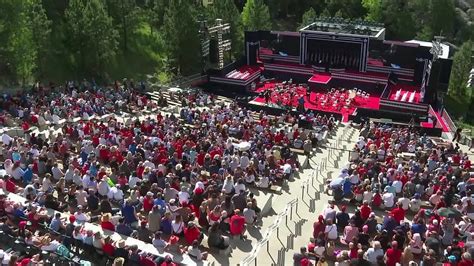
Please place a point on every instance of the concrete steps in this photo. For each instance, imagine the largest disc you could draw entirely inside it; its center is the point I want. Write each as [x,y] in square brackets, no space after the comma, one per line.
[294,229]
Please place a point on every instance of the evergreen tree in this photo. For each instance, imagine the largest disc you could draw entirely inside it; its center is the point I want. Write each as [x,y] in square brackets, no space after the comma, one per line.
[438,19]
[40,27]
[22,46]
[374,9]
[308,17]
[92,40]
[125,17]
[462,65]
[256,16]
[227,10]
[181,35]
[398,19]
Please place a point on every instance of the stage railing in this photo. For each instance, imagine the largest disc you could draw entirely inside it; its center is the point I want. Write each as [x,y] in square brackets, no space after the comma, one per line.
[447,119]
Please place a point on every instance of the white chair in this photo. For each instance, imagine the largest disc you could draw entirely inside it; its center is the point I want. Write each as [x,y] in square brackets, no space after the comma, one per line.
[405,96]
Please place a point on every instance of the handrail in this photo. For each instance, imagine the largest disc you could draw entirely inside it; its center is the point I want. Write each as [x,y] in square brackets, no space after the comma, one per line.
[252,257]
[447,118]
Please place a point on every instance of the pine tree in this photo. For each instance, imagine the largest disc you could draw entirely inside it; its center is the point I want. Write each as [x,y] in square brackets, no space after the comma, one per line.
[462,65]
[92,39]
[181,36]
[256,16]
[308,17]
[40,27]
[23,48]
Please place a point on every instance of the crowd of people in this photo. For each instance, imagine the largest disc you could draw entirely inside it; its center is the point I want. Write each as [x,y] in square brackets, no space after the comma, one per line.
[172,180]
[403,199]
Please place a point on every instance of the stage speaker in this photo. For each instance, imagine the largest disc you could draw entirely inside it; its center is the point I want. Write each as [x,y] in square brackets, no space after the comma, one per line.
[213,51]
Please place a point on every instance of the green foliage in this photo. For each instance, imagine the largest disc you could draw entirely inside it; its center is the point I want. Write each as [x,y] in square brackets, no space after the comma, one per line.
[227,10]
[462,65]
[256,16]
[125,18]
[398,20]
[308,17]
[22,47]
[92,39]
[374,9]
[181,35]
[40,27]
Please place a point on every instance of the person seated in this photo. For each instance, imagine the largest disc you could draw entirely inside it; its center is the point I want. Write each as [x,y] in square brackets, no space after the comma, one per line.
[237,224]
[350,232]
[192,233]
[158,242]
[106,223]
[216,239]
[194,252]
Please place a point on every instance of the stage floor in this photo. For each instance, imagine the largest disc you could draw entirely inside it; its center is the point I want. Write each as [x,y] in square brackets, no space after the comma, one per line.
[315,101]
[320,78]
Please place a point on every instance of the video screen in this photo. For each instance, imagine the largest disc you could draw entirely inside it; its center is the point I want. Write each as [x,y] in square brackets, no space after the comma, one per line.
[392,54]
[276,43]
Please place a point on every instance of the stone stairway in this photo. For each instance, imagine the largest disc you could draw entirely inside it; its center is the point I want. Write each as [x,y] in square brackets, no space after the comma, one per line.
[295,229]
[312,197]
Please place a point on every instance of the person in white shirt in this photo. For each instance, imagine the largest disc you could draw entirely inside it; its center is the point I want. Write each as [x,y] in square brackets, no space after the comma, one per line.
[86,179]
[228,184]
[331,230]
[436,198]
[249,214]
[69,175]
[329,213]
[405,203]
[103,187]
[244,161]
[388,199]
[6,139]
[115,193]
[57,173]
[51,246]
[133,180]
[77,177]
[80,216]
[183,196]
[398,185]
[264,182]
[81,196]
[240,186]
[415,203]
[367,196]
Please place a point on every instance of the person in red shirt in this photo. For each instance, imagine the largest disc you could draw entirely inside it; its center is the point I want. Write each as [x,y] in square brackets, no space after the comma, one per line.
[148,202]
[147,260]
[10,186]
[377,200]
[466,260]
[192,233]
[108,248]
[318,226]
[398,213]
[105,222]
[237,224]
[365,210]
[393,255]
